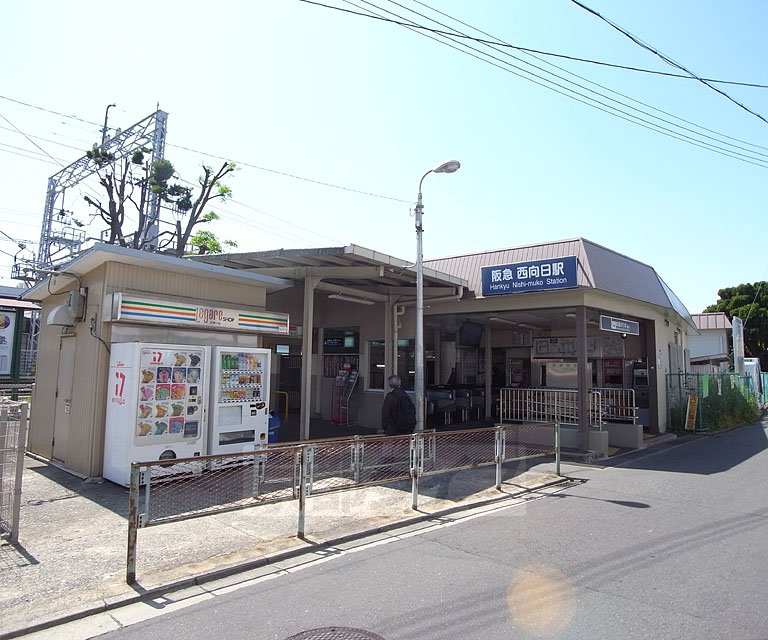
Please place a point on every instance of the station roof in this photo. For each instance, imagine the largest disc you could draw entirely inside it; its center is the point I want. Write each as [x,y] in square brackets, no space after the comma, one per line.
[715,320]
[100,254]
[351,267]
[598,268]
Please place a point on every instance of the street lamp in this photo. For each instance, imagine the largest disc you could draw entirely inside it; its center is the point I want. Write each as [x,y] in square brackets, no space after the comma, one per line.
[447,167]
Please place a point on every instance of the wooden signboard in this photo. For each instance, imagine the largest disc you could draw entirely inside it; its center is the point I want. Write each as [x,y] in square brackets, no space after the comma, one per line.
[690,414]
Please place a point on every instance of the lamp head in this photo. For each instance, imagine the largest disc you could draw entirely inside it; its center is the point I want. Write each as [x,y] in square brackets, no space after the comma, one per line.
[450,166]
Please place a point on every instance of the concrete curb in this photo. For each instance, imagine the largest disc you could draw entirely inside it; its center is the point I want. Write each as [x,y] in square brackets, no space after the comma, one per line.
[117,602]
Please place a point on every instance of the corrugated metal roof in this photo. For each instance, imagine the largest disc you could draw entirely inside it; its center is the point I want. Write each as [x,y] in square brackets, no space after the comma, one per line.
[715,320]
[18,304]
[99,254]
[385,272]
[599,268]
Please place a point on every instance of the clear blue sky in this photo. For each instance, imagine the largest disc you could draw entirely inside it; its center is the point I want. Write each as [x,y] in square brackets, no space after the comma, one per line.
[358,103]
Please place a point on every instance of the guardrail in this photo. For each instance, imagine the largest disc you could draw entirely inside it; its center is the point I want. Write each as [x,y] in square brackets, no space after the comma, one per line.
[618,405]
[172,490]
[548,405]
[13,438]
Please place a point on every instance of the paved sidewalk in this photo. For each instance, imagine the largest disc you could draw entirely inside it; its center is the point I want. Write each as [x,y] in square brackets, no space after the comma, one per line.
[71,556]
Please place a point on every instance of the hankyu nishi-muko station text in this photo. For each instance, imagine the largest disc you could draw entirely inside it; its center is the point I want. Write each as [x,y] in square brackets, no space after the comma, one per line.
[533,275]
[531,272]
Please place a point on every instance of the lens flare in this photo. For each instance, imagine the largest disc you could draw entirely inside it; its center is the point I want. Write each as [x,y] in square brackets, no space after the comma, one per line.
[541,600]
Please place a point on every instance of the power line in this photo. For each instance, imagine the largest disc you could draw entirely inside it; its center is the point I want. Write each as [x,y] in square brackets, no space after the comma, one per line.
[56,113]
[31,140]
[528,50]
[22,155]
[667,59]
[578,96]
[596,84]
[61,144]
[290,175]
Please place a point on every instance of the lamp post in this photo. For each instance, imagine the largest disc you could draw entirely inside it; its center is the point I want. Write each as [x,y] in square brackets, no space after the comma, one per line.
[447,167]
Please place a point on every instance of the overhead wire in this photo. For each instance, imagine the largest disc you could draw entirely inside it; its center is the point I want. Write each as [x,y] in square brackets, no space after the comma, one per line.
[667,59]
[289,175]
[683,137]
[537,51]
[591,82]
[243,220]
[578,96]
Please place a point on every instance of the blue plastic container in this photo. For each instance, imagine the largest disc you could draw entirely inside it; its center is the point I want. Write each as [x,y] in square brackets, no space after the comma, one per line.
[273,434]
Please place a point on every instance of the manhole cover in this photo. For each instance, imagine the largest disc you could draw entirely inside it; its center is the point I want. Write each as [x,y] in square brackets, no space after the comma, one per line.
[335,633]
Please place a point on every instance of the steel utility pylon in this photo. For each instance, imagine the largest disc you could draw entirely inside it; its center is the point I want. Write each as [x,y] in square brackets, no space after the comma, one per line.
[58,246]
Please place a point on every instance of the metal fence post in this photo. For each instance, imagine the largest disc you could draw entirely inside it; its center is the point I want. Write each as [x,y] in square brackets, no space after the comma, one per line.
[500,443]
[133,524]
[417,456]
[557,448]
[357,450]
[21,443]
[303,472]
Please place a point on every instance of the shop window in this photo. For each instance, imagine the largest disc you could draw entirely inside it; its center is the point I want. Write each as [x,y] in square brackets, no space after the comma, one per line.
[406,361]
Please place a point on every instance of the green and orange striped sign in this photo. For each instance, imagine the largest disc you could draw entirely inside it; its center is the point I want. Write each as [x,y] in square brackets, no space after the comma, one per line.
[132,309]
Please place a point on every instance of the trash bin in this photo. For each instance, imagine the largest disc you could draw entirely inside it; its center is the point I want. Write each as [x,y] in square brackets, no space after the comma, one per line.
[274,427]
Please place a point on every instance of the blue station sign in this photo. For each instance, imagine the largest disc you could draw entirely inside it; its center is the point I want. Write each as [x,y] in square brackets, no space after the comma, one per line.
[620,325]
[534,275]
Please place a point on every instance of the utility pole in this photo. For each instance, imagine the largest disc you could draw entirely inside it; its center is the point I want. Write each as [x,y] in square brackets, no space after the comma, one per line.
[105,129]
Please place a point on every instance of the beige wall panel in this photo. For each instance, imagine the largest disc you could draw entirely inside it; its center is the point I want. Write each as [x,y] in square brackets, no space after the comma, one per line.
[154,283]
[40,436]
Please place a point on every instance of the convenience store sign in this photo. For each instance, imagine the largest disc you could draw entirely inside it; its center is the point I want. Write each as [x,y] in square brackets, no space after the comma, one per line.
[132,309]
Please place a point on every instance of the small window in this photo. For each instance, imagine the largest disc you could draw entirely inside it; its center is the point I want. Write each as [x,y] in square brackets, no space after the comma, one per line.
[406,363]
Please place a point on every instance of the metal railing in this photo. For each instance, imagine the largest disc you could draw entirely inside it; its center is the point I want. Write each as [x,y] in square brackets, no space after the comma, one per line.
[13,438]
[173,490]
[548,405]
[618,405]
[18,392]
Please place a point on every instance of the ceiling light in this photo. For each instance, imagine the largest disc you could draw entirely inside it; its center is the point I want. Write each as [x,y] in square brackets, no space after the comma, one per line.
[504,320]
[339,296]
[570,314]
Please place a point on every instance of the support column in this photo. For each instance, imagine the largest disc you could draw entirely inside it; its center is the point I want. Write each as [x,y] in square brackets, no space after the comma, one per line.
[583,377]
[306,355]
[488,371]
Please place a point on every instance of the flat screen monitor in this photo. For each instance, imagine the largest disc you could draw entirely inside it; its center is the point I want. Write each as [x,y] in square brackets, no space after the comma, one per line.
[470,334]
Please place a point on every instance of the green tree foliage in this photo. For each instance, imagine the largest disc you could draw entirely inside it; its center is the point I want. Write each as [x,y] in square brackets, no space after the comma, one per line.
[750,303]
[129,184]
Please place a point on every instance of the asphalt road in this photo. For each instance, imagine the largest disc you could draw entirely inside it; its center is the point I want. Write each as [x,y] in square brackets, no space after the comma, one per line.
[672,543]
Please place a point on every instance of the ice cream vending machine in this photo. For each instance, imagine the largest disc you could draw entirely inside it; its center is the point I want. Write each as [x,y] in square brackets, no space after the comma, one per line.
[156,405]
[239,400]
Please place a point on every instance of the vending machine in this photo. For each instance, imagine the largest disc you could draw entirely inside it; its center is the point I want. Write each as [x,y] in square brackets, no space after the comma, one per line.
[156,406]
[239,400]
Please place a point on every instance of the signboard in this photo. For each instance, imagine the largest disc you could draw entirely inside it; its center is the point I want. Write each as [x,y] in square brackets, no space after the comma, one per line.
[129,308]
[737,325]
[7,329]
[525,277]
[565,347]
[690,414]
[620,325]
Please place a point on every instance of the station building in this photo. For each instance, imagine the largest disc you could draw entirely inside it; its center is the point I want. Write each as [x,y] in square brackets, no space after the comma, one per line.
[568,330]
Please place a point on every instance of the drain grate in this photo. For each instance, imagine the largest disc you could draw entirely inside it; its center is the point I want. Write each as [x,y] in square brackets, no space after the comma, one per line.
[335,633]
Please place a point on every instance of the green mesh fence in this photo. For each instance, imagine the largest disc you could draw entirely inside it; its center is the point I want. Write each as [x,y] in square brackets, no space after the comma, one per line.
[705,401]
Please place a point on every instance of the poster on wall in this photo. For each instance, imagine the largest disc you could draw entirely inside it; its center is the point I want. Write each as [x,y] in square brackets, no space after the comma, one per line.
[7,327]
[170,392]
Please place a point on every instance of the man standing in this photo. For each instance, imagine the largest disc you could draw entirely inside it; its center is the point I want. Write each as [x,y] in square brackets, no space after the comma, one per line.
[398,415]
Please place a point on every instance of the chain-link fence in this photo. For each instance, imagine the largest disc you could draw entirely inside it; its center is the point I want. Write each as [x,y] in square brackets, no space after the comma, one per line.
[13,436]
[703,401]
[173,490]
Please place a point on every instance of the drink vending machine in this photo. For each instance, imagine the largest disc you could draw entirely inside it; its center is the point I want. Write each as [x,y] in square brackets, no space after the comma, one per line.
[239,400]
[156,405]
[158,401]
